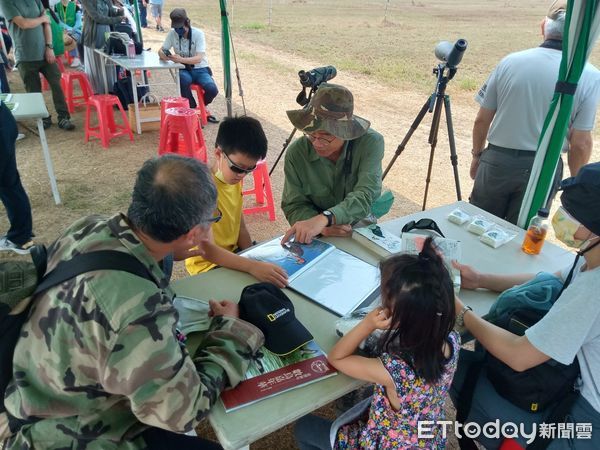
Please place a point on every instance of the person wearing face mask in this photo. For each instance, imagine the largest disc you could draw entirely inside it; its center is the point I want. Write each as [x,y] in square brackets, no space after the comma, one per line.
[187,45]
[241,143]
[571,329]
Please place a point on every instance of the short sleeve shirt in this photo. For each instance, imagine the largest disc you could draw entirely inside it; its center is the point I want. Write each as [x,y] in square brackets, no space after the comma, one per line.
[183,47]
[572,329]
[520,90]
[30,44]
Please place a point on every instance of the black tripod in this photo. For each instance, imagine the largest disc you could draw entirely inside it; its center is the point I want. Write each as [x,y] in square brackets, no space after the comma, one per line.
[434,104]
[302,100]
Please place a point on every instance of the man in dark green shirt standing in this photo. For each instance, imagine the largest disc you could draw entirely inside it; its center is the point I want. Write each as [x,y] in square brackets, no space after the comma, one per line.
[29,27]
[333,172]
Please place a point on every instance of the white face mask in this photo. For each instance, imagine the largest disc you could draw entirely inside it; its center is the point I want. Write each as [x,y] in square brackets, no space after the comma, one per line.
[52,3]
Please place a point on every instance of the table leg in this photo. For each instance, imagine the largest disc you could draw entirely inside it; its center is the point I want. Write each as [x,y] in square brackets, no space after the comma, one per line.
[136,106]
[103,70]
[177,82]
[49,166]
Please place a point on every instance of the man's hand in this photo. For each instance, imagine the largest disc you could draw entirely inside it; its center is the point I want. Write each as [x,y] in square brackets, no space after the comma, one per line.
[49,56]
[44,19]
[306,230]
[176,58]
[223,308]
[469,277]
[271,273]
[337,231]
[474,166]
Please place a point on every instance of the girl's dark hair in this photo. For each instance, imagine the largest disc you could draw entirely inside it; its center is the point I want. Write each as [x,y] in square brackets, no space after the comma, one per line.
[418,292]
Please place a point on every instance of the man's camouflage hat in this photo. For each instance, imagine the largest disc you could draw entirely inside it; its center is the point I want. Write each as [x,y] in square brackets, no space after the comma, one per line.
[331,110]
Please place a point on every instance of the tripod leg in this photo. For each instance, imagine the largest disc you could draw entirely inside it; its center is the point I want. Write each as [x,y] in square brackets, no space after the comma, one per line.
[453,156]
[433,135]
[285,145]
[410,132]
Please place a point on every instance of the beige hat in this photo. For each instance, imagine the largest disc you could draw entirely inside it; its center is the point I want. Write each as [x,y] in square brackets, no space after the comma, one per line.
[557,7]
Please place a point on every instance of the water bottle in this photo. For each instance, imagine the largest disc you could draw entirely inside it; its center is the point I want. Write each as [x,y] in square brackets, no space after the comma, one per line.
[130,49]
[536,233]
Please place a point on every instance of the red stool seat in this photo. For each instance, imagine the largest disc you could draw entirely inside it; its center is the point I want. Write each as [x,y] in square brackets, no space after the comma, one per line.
[67,80]
[172,102]
[510,444]
[200,103]
[181,124]
[261,191]
[107,129]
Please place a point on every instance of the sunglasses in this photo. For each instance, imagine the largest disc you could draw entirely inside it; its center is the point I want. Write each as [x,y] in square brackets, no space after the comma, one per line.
[423,224]
[320,140]
[237,169]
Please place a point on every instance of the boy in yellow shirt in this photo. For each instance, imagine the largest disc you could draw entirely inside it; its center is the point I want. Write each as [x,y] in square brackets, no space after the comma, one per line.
[240,144]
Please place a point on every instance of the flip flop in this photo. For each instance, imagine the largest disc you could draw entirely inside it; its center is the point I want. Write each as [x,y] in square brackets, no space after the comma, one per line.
[212,119]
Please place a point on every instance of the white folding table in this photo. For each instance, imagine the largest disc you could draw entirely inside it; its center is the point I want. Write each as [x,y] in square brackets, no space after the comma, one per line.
[33,106]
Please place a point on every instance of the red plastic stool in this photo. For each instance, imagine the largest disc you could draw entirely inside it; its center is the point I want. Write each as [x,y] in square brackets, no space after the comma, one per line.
[182,124]
[510,444]
[201,106]
[107,129]
[61,69]
[172,102]
[261,191]
[68,58]
[66,81]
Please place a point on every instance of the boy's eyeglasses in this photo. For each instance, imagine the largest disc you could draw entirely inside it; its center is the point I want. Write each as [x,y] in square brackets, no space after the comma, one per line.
[423,224]
[320,140]
[237,169]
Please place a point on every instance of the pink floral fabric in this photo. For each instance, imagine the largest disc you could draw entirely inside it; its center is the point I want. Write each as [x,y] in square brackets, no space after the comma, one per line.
[385,428]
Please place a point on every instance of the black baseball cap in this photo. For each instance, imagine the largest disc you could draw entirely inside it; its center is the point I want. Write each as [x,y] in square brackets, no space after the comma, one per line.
[581,196]
[178,17]
[269,309]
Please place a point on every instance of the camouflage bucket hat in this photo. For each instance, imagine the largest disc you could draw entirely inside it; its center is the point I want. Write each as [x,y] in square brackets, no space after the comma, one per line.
[331,110]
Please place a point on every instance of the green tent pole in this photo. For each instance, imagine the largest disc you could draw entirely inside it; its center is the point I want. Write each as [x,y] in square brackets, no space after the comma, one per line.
[136,13]
[565,104]
[225,52]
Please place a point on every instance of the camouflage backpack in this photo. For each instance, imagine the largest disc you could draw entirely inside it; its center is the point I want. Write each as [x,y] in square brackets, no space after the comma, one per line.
[21,281]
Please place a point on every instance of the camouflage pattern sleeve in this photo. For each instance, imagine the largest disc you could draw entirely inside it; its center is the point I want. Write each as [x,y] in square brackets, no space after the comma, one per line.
[165,387]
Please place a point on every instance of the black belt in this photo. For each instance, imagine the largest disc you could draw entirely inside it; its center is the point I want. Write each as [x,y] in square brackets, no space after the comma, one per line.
[512,151]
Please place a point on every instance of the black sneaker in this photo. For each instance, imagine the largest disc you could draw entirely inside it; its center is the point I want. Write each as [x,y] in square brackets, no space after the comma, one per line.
[156,27]
[212,119]
[47,122]
[161,29]
[66,124]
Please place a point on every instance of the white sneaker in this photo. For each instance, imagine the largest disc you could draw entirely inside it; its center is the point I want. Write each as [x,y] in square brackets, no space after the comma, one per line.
[75,63]
[7,245]
[20,136]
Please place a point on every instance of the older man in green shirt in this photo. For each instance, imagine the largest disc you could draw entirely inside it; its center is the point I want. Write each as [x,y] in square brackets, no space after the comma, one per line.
[29,27]
[333,172]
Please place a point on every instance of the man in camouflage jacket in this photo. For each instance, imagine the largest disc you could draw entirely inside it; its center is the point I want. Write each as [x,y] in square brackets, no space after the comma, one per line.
[98,364]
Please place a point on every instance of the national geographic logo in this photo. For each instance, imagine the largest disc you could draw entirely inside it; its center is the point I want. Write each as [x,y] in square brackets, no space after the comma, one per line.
[277,314]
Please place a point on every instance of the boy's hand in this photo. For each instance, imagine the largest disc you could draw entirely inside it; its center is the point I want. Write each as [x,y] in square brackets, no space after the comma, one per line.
[271,273]
[379,319]
[223,308]
[190,253]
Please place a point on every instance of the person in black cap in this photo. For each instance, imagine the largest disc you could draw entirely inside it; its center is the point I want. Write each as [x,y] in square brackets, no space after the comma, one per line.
[266,306]
[571,329]
[189,48]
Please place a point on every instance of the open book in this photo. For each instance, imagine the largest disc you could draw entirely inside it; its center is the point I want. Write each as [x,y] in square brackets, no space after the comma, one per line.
[270,374]
[450,250]
[378,240]
[325,274]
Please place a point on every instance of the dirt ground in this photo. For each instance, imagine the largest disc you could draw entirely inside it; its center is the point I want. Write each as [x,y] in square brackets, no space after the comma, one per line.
[96,180]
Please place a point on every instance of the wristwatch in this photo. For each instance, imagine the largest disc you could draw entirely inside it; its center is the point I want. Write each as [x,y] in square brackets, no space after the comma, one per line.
[329,216]
[50,46]
[460,317]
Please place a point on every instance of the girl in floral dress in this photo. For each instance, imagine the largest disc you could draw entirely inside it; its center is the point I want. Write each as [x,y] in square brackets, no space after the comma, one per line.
[418,352]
